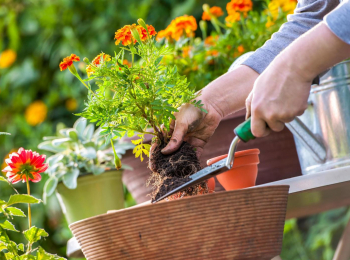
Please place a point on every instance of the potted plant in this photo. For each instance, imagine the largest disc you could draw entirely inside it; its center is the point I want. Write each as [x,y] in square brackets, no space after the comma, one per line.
[82,171]
[141,97]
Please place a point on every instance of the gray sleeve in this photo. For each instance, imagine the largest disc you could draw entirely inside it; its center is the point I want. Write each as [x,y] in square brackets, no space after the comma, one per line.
[307,14]
[338,21]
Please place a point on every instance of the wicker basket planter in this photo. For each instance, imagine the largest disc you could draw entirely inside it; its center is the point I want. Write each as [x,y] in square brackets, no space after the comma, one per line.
[241,224]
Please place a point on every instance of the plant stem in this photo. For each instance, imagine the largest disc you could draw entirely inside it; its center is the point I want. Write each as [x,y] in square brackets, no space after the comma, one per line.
[29,210]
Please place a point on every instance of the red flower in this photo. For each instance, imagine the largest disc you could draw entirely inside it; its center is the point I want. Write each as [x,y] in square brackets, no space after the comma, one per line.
[68,61]
[25,163]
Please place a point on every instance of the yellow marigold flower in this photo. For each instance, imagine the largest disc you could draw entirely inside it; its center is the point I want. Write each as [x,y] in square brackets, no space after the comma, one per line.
[7,58]
[215,11]
[242,6]
[101,58]
[232,18]
[71,104]
[186,51]
[89,70]
[36,113]
[287,6]
[211,40]
[269,23]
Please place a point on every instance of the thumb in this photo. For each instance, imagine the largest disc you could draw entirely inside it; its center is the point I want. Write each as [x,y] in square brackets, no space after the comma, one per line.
[248,105]
[176,139]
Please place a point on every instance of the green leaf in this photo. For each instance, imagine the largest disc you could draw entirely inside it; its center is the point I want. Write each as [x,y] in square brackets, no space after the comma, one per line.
[88,132]
[9,226]
[80,125]
[22,198]
[15,212]
[89,153]
[48,146]
[20,247]
[158,60]
[60,141]
[50,186]
[73,134]
[3,179]
[2,246]
[42,255]
[70,178]
[34,234]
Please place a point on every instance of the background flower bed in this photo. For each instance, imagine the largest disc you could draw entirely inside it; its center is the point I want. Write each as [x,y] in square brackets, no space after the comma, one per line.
[35,99]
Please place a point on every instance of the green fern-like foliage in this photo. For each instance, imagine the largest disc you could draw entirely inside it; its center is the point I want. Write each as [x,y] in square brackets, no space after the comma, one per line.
[138,98]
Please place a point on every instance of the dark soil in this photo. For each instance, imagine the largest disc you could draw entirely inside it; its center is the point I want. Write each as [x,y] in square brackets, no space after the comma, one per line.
[171,171]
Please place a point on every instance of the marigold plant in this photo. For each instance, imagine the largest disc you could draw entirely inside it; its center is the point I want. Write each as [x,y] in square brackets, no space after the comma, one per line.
[134,98]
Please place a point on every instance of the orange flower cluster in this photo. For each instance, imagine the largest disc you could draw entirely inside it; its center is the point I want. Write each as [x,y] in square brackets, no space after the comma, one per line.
[182,25]
[68,61]
[232,18]
[211,40]
[101,57]
[242,6]
[124,35]
[186,51]
[215,11]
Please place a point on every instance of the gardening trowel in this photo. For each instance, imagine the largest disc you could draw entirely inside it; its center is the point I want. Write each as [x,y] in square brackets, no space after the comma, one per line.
[243,132]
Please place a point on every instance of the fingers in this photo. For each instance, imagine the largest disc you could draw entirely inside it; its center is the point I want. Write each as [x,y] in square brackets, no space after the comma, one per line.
[248,105]
[176,139]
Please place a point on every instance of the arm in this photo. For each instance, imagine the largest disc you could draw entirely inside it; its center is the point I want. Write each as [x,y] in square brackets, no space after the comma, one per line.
[281,91]
[307,14]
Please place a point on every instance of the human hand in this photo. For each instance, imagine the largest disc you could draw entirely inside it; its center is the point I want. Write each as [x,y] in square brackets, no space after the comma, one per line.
[278,96]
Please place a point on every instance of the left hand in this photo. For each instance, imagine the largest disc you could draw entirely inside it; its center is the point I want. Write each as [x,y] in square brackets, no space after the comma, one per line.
[278,96]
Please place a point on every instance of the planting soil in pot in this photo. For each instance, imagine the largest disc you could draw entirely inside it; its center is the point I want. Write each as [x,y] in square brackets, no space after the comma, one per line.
[240,225]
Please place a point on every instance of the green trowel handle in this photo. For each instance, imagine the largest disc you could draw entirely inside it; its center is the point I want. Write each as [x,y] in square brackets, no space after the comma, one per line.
[244,131]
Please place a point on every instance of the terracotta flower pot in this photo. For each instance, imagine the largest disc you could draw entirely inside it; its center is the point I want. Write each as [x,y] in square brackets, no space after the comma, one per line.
[244,170]
[244,225]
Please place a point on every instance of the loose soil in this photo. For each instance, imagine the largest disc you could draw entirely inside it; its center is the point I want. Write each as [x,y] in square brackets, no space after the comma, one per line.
[171,171]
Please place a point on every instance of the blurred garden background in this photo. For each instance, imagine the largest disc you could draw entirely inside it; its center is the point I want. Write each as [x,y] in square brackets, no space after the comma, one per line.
[36,98]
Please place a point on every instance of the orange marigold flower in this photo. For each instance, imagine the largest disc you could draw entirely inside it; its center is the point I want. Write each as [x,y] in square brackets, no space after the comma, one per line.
[232,18]
[269,23]
[126,62]
[239,6]
[164,34]
[124,35]
[240,49]
[68,61]
[101,58]
[186,51]
[25,164]
[215,11]
[213,53]
[211,40]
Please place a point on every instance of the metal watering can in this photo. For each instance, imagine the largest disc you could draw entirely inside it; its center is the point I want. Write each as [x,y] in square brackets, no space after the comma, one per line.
[322,133]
